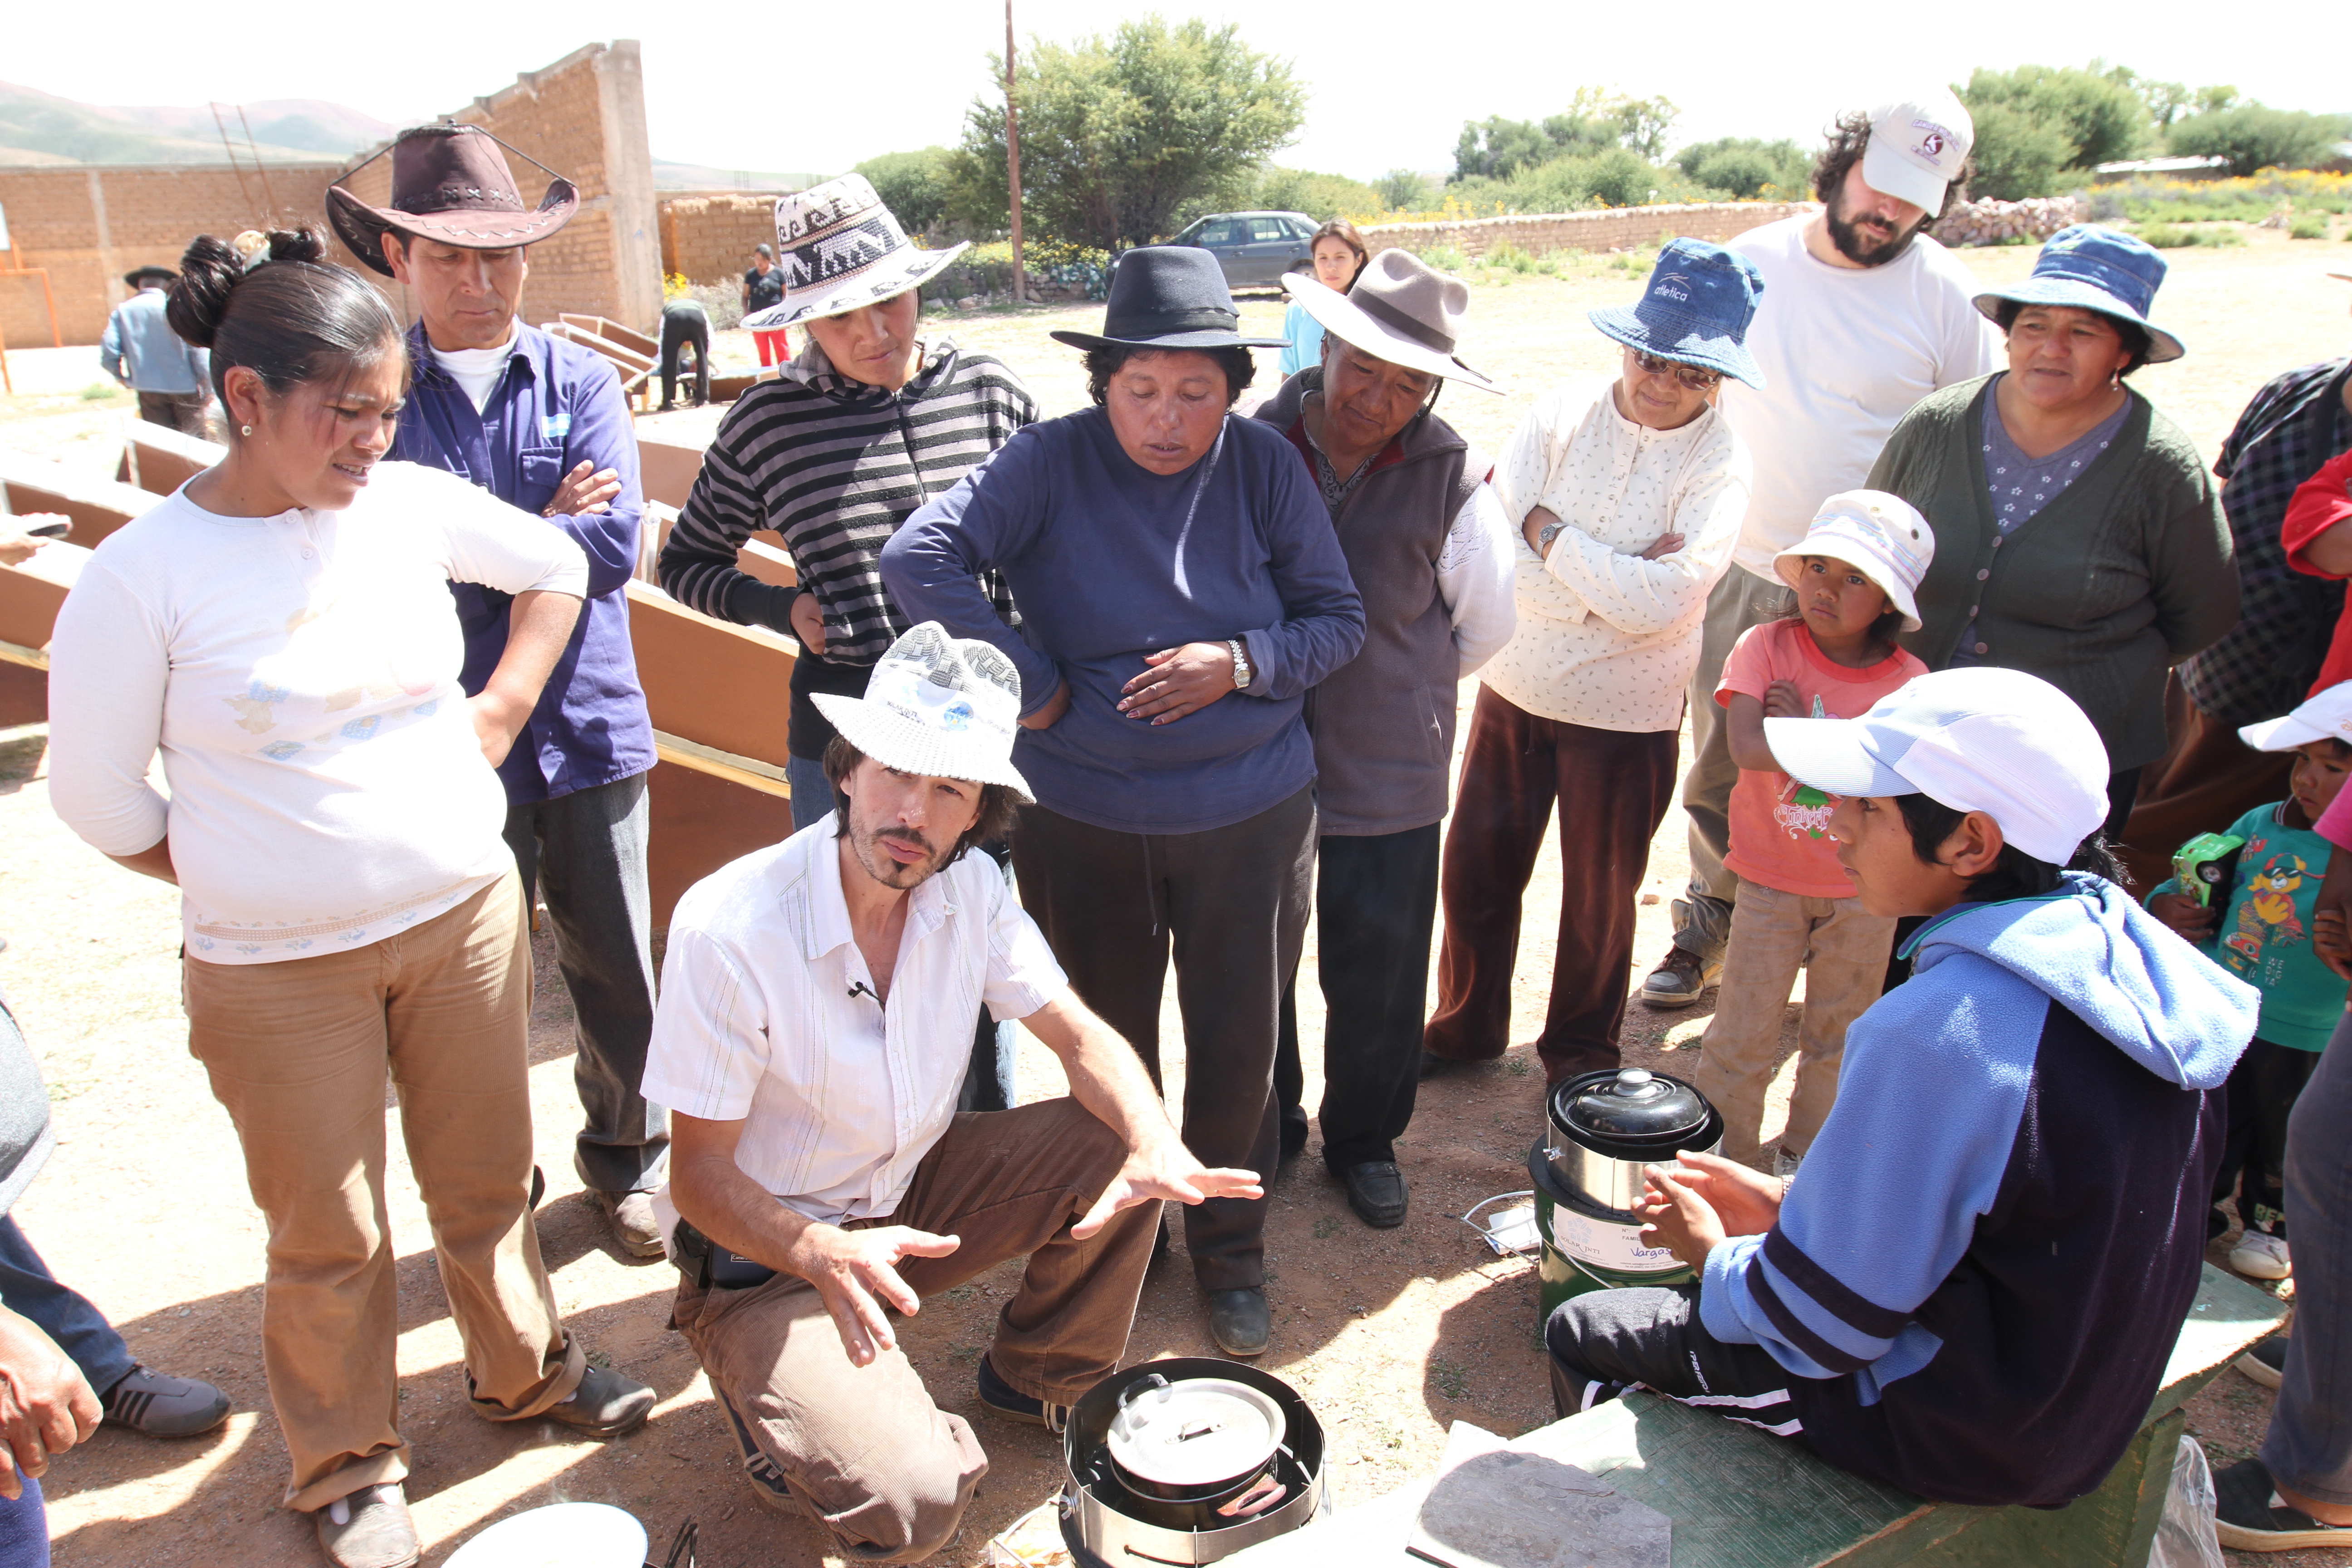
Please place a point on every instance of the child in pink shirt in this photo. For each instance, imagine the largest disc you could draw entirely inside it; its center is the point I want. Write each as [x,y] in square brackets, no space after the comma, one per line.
[1854,575]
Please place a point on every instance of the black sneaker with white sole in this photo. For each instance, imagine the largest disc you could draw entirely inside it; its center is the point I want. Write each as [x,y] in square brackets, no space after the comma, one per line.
[762,1474]
[2254,1518]
[155,1406]
[1002,1398]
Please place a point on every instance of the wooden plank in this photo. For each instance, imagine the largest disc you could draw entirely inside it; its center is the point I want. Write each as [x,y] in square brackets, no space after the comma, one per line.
[699,822]
[30,604]
[613,332]
[98,507]
[709,681]
[748,771]
[2228,1316]
[758,558]
[667,468]
[159,460]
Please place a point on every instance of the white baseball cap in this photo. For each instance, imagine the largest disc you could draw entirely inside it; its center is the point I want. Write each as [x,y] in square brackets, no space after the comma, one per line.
[1882,536]
[938,707]
[1918,147]
[2326,717]
[2000,741]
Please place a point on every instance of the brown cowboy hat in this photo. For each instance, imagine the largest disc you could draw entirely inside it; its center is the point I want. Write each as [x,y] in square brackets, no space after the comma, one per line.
[451,184]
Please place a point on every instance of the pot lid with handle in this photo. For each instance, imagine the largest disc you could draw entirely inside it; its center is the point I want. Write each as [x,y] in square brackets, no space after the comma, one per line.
[1633,1102]
[1196,1431]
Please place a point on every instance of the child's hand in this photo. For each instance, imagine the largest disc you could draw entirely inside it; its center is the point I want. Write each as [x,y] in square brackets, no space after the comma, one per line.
[2332,942]
[1782,700]
[2184,915]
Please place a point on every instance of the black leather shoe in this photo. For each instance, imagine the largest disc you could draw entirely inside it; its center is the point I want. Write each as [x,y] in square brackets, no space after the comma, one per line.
[1376,1192]
[1240,1321]
[1432,1064]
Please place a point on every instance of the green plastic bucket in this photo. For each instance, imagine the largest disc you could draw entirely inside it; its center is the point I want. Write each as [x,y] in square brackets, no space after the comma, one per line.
[1589,1248]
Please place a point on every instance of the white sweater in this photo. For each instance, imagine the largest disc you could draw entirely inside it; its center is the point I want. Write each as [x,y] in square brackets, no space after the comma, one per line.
[1606,639]
[300,675]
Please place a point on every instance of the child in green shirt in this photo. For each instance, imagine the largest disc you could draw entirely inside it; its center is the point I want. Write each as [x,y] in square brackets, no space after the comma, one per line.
[2258,926]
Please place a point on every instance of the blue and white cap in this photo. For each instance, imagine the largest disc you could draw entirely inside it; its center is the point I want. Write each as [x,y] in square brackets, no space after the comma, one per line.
[939,707]
[1977,738]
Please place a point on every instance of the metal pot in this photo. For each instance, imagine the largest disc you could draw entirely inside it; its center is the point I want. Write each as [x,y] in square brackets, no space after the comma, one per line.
[1197,1439]
[1607,1125]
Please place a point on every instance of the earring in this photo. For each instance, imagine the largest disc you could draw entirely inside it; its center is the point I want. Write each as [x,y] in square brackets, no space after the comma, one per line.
[244,430]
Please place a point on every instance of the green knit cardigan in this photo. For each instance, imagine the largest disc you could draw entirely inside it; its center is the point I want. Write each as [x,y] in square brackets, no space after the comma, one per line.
[2127,573]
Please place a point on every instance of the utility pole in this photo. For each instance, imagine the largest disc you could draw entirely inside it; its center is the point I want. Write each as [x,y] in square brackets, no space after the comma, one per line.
[1013,159]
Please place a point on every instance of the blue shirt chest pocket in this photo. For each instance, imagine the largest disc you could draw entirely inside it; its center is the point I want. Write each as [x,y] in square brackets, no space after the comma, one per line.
[537,473]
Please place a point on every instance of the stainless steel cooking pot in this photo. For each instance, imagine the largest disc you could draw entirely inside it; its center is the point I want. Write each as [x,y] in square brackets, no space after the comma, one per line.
[1607,1125]
[1197,1439]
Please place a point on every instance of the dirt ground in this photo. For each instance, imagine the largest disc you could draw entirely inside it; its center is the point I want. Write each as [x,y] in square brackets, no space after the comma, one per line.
[1391,1335]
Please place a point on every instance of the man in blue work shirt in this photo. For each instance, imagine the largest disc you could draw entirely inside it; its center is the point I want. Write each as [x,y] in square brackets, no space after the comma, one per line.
[543,425]
[139,349]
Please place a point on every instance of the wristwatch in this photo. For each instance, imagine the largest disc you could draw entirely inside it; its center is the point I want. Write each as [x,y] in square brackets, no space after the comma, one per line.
[1243,674]
[1545,535]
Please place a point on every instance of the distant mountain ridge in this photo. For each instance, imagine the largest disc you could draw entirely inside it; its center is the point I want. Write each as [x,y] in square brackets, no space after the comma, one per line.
[37,127]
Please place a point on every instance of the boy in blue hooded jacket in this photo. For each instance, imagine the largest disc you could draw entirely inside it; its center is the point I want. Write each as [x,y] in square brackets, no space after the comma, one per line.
[1971,1287]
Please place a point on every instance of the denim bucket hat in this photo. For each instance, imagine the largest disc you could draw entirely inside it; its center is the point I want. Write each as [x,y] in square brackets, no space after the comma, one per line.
[2093,268]
[1696,308]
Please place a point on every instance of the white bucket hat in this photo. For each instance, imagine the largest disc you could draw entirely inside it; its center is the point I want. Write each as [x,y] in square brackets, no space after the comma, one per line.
[1918,147]
[2326,717]
[840,249]
[938,707]
[1977,738]
[1401,310]
[1879,535]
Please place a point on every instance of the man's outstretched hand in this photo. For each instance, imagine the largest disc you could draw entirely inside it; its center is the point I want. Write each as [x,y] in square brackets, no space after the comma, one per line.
[1168,1170]
[851,1267]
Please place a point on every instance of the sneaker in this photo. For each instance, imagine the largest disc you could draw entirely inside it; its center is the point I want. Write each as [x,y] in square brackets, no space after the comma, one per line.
[2266,1363]
[155,1406]
[631,1216]
[2254,1518]
[762,1474]
[1784,1163]
[2260,1255]
[369,1528]
[1679,979]
[1002,1398]
[606,1404]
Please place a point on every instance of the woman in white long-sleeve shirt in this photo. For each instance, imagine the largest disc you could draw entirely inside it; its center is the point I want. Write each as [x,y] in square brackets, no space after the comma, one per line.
[1629,494]
[281,630]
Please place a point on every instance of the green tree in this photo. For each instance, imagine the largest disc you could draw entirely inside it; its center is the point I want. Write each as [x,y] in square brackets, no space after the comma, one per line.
[1119,133]
[1596,121]
[2254,136]
[1747,168]
[913,186]
[1401,190]
[2016,155]
[2099,118]
[1319,196]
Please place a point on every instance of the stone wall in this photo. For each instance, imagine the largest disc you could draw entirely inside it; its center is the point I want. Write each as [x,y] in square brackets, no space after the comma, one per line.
[583,116]
[709,238]
[1609,229]
[1998,223]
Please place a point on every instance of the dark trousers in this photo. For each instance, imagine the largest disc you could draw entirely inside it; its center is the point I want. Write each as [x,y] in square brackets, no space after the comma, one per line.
[64,1314]
[1613,789]
[585,854]
[2309,1445]
[680,333]
[1652,1339]
[181,411]
[1230,903]
[1375,903]
[2261,1092]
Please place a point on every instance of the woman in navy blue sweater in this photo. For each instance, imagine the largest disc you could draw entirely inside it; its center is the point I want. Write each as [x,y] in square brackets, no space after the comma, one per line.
[1181,590]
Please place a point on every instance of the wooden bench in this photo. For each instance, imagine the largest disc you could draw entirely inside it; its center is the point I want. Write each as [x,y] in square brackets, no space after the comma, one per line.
[98,507]
[1743,1498]
[159,460]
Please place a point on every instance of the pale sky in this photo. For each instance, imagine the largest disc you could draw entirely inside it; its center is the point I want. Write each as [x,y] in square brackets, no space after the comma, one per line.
[746,87]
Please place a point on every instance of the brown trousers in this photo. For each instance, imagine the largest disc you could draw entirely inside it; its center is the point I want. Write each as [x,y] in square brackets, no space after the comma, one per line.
[298,1053]
[1843,949]
[1613,789]
[2206,779]
[864,1449]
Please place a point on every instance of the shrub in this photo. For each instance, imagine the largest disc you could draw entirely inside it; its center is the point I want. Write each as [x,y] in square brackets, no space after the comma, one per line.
[2255,137]
[913,186]
[2016,155]
[2173,235]
[1444,258]
[1401,190]
[987,270]
[2308,226]
[2148,199]
[1747,168]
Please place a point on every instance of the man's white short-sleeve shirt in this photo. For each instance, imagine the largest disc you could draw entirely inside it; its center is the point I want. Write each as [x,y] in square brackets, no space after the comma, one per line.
[767,1017]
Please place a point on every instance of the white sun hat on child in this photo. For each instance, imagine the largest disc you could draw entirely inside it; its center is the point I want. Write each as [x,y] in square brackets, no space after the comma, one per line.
[2326,717]
[1879,535]
[937,705]
[1976,738]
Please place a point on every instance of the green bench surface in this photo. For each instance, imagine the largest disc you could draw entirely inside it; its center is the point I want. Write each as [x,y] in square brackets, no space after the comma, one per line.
[1740,1498]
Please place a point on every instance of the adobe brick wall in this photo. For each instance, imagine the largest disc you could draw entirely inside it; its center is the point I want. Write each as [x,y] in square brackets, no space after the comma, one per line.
[709,238]
[1609,229]
[583,116]
[88,224]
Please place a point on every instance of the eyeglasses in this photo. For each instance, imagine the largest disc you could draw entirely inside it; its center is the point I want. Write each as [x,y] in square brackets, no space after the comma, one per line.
[1692,378]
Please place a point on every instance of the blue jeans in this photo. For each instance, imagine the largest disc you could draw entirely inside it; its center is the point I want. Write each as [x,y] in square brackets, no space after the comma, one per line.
[30,1290]
[988,1082]
[25,1529]
[2309,1447]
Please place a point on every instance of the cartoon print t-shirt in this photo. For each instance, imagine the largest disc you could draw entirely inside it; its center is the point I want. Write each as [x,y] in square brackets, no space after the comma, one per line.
[1780,829]
[2263,935]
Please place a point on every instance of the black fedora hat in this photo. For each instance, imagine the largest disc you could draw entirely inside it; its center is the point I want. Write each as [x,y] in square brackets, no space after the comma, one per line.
[137,277]
[1168,297]
[451,184]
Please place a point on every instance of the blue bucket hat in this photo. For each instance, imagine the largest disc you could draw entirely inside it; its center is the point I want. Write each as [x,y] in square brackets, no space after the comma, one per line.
[1695,309]
[2093,268]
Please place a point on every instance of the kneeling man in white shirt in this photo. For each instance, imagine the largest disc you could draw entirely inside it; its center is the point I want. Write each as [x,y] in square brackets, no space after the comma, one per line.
[813,1032]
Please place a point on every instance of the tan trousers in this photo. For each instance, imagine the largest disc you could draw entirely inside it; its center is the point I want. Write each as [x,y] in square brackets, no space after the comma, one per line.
[298,1053]
[864,1449]
[1843,949]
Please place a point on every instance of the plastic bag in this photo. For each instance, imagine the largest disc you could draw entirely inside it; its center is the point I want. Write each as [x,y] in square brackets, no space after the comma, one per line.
[2185,1536]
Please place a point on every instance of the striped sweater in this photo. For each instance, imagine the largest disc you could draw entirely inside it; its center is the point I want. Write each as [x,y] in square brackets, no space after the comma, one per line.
[835,466]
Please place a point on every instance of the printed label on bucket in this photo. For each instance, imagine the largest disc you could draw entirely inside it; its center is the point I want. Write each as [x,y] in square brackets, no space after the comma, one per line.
[1605,1245]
